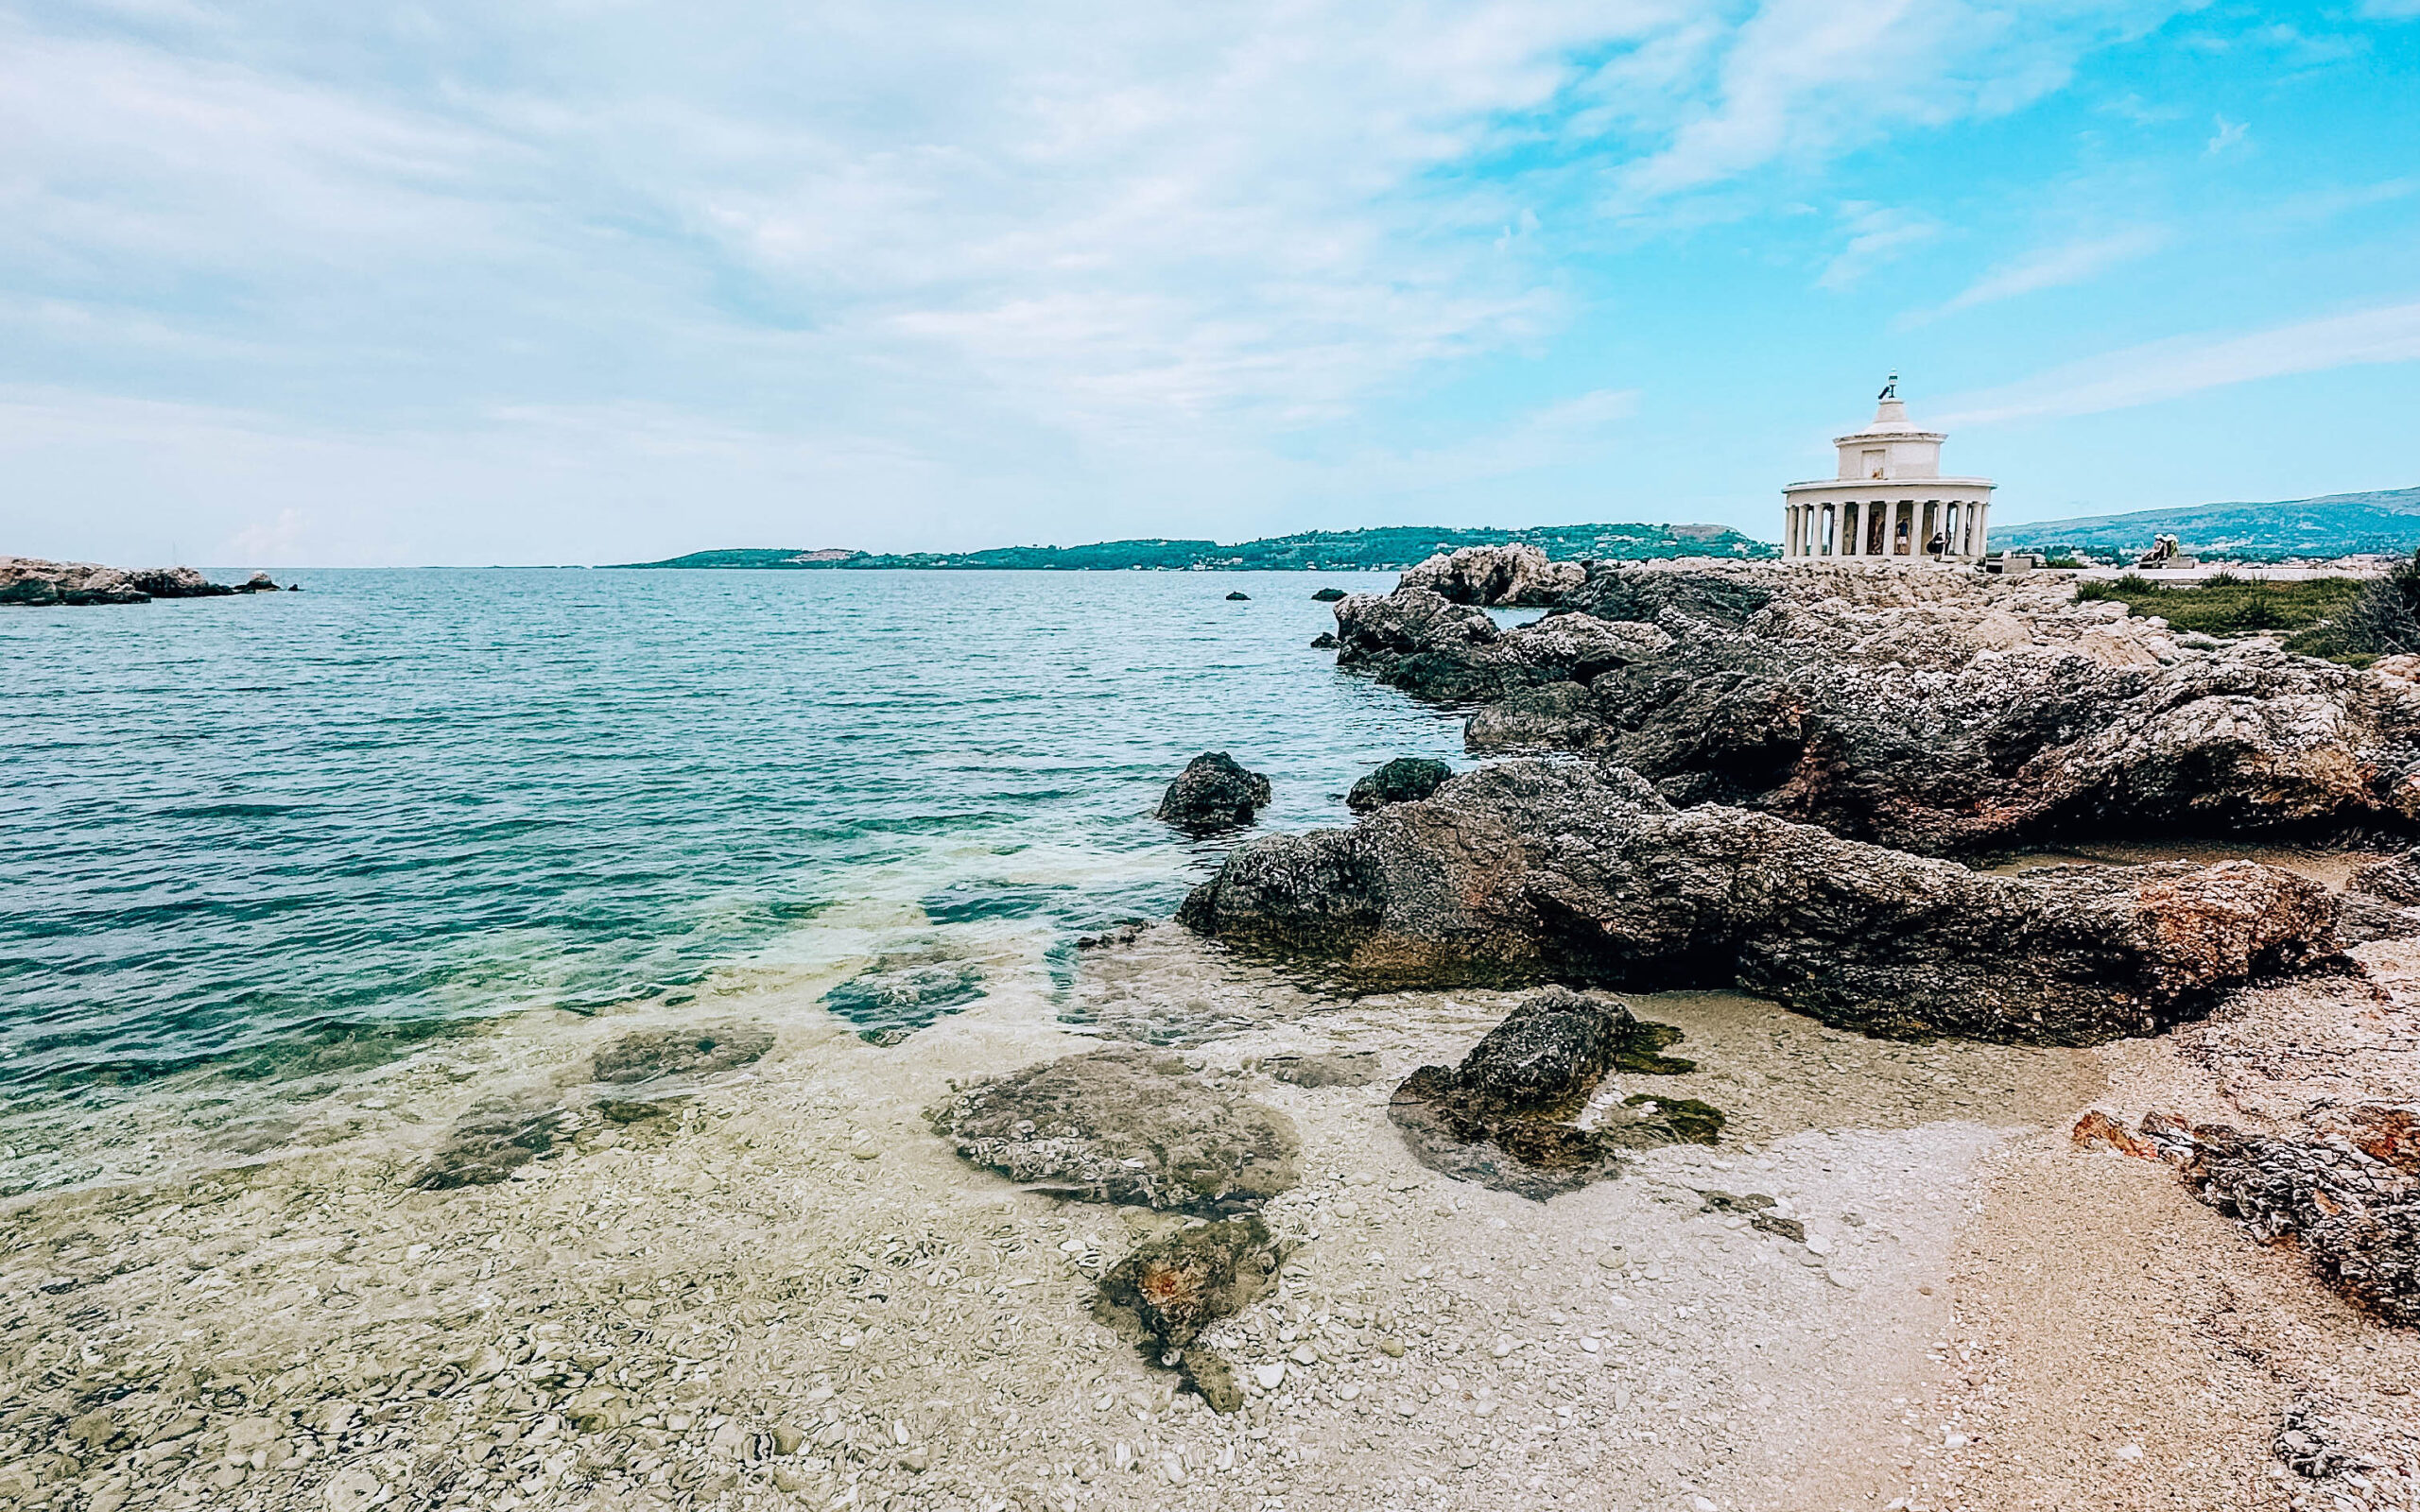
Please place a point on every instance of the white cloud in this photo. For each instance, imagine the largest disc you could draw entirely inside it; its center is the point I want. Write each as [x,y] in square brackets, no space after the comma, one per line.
[1877,235]
[2170,370]
[2051,268]
[2225,134]
[1803,79]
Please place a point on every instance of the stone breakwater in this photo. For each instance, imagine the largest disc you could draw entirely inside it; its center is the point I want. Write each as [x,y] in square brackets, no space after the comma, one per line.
[31,581]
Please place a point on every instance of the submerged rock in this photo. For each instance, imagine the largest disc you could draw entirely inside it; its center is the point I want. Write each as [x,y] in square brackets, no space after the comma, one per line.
[650,1053]
[1926,711]
[1342,1068]
[1125,1125]
[1536,868]
[1401,781]
[1324,641]
[901,994]
[1503,1117]
[1161,1297]
[487,1144]
[1327,595]
[1238,598]
[1213,793]
[1511,574]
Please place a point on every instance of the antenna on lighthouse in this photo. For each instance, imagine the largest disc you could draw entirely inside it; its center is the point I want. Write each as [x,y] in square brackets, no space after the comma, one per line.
[1891,390]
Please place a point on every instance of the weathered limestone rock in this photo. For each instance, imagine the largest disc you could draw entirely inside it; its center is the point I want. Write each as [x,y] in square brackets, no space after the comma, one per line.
[1537,869]
[1511,574]
[1161,1297]
[31,581]
[2356,1216]
[1213,793]
[1926,711]
[1124,1125]
[1401,781]
[2397,879]
[1503,1117]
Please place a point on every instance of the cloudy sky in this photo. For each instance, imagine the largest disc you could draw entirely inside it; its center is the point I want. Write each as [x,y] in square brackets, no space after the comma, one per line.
[300,284]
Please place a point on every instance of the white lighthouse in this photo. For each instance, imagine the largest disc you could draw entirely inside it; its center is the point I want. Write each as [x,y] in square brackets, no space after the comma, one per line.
[1889,500]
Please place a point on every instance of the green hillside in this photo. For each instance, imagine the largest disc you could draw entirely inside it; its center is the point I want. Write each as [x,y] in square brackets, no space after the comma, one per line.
[2334,526]
[1387,548]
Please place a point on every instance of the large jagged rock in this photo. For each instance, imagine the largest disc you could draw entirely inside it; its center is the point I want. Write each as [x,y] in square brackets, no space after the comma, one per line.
[1124,1125]
[1534,867]
[2355,1215]
[1513,576]
[1923,709]
[1214,793]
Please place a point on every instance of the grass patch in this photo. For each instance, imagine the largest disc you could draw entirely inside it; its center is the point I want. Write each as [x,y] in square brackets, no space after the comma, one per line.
[2228,605]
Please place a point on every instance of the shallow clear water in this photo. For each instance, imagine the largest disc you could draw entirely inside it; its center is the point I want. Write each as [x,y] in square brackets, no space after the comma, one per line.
[406,798]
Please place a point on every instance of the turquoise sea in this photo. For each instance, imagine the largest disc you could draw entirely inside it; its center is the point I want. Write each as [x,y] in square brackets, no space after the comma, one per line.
[255,834]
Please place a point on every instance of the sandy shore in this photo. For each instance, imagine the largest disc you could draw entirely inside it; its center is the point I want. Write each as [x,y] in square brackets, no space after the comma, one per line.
[791,1293]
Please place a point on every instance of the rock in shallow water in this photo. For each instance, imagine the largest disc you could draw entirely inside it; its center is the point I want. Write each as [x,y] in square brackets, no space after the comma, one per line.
[700,1052]
[1125,1125]
[1214,793]
[1164,1293]
[1502,1118]
[487,1144]
[902,994]
[1342,1068]
[1534,869]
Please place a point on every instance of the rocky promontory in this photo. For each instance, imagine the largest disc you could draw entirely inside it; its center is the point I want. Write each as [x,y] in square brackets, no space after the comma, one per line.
[1533,870]
[32,581]
[1929,710]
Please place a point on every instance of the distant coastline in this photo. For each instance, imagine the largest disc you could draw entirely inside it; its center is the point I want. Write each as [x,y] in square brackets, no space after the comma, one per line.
[1387,548]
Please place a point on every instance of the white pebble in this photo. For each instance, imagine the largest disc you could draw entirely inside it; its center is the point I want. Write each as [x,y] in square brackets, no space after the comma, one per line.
[1503,1347]
[1269,1376]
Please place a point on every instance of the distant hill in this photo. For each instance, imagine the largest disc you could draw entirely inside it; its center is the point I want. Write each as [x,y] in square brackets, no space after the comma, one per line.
[1387,548]
[2335,525]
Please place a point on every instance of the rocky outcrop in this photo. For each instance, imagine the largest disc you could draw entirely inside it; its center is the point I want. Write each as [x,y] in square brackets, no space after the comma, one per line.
[1514,575]
[1923,710]
[1505,1117]
[1534,869]
[1327,595]
[1402,781]
[2357,1215]
[1214,793]
[30,580]
[1125,1125]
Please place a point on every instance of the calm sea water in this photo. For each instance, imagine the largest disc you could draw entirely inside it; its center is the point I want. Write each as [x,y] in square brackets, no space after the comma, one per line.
[401,799]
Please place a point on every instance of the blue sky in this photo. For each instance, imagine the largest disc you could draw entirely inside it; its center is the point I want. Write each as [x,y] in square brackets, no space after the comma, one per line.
[294,284]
